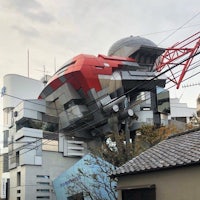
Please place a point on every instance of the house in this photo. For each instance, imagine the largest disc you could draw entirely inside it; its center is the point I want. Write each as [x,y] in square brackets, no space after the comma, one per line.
[168,170]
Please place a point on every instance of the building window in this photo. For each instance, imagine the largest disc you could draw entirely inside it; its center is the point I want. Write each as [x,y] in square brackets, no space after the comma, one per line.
[5,162]
[180,119]
[43,197]
[139,194]
[43,176]
[76,197]
[17,158]
[18,198]
[43,183]
[43,190]
[18,178]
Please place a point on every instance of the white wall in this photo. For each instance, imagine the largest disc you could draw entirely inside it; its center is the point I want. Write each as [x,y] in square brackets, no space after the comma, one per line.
[20,87]
[180,109]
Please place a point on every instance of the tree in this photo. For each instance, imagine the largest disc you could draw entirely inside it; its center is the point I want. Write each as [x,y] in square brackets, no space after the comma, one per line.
[148,135]
[194,123]
[91,180]
[117,151]
[114,149]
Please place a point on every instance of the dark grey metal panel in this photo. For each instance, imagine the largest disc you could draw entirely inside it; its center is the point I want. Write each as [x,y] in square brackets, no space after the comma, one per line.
[5,138]
[5,163]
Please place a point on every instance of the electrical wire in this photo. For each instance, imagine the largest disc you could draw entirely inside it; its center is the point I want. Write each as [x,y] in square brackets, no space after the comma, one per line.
[169,30]
[83,126]
[135,87]
[178,28]
[140,84]
[48,141]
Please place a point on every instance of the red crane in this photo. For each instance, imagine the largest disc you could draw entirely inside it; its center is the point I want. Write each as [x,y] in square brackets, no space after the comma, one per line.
[185,50]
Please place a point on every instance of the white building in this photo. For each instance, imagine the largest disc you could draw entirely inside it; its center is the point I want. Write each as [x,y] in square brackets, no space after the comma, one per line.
[34,153]
[181,114]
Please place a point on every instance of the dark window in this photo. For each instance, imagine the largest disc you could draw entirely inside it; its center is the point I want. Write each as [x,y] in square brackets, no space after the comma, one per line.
[43,183]
[5,162]
[180,119]
[43,197]
[43,190]
[17,158]
[43,176]
[5,138]
[139,194]
[76,197]
[18,178]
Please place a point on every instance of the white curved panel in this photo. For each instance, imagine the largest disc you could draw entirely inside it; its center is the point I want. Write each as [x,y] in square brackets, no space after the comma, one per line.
[19,87]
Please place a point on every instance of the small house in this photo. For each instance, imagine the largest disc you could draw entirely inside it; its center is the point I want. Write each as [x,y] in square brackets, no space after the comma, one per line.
[169,170]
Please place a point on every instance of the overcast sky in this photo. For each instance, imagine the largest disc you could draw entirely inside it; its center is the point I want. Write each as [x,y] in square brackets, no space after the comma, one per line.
[55,31]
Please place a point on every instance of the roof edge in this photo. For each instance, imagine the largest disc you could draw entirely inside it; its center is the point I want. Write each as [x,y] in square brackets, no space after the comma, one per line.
[183,133]
[156,169]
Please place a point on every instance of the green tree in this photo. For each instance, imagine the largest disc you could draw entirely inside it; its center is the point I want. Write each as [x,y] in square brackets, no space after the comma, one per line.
[117,151]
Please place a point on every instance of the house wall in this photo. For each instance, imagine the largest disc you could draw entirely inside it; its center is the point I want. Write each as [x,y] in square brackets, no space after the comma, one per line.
[174,184]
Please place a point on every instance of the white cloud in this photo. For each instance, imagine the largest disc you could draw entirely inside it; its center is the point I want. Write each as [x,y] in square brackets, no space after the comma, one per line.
[30,9]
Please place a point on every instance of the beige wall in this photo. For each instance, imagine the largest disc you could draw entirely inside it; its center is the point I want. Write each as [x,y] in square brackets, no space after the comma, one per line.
[176,184]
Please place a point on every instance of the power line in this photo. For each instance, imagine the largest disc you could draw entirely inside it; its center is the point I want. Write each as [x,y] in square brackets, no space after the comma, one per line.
[164,31]
[178,28]
[142,84]
[125,92]
[73,130]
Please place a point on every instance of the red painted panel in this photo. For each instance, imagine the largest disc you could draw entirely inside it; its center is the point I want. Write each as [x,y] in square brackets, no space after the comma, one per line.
[83,73]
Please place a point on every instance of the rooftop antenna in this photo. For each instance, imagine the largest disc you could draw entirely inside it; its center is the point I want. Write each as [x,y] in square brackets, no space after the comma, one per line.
[55,64]
[45,76]
[28,61]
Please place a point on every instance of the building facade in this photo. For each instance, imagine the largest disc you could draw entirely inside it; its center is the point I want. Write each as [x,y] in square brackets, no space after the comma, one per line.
[34,153]
[181,114]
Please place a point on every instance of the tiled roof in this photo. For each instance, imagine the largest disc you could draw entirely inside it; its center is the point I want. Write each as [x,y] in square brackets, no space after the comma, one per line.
[178,150]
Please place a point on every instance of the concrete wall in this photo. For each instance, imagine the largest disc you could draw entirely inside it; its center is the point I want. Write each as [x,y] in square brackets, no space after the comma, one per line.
[176,184]
[34,178]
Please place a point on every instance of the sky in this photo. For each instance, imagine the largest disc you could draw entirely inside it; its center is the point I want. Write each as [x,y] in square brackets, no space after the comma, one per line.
[52,32]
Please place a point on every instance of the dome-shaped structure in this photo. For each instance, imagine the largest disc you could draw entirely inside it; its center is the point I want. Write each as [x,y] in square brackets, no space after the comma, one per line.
[143,50]
[127,46]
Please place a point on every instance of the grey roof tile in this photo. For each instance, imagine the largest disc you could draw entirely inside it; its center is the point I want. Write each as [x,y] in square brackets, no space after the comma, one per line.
[178,150]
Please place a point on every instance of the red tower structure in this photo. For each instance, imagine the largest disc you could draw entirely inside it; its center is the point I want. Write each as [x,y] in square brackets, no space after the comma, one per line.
[182,54]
